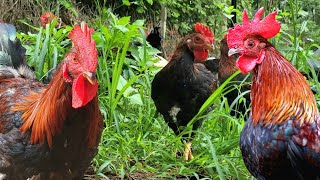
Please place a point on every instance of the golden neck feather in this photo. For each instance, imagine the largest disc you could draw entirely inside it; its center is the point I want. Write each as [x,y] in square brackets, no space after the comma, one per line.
[280,92]
[44,112]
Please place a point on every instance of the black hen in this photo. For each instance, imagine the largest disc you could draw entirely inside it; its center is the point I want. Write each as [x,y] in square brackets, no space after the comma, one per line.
[154,38]
[12,54]
[184,84]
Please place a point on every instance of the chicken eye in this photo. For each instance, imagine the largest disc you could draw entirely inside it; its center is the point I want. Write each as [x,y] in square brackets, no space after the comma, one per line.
[250,43]
[75,60]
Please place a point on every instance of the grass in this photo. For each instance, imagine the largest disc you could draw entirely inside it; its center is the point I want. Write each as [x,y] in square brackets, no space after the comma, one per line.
[136,142]
[136,138]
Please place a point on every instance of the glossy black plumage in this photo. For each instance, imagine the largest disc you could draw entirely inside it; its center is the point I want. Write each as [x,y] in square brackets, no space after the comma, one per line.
[272,152]
[185,85]
[154,38]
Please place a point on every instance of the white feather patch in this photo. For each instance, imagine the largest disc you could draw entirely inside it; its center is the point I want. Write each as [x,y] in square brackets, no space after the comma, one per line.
[8,72]
[174,112]
[26,72]
[2,176]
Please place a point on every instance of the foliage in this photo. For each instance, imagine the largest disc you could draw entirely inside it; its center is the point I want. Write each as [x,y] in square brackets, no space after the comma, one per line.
[180,13]
[136,142]
[136,138]
[214,13]
[46,48]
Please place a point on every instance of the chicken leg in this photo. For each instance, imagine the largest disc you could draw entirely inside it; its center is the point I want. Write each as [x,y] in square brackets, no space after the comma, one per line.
[187,153]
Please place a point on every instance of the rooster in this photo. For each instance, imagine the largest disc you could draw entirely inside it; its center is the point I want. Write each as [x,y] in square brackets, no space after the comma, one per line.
[51,131]
[184,84]
[281,139]
[154,38]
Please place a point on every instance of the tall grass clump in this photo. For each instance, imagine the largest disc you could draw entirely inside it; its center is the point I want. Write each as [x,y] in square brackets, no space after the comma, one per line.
[45,48]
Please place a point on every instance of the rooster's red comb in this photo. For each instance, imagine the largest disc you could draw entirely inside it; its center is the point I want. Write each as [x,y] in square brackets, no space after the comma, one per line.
[85,45]
[204,30]
[267,28]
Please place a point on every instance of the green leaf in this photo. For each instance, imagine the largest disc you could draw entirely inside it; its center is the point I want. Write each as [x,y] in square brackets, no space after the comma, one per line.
[70,7]
[122,28]
[140,9]
[135,99]
[124,21]
[138,22]
[121,84]
[229,16]
[303,13]
[126,2]
[150,2]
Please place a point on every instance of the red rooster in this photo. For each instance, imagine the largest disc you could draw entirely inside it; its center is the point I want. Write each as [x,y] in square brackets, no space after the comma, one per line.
[51,132]
[184,84]
[281,139]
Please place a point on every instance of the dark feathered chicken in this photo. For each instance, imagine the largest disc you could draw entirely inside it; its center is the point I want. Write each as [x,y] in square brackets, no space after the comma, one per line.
[281,139]
[11,52]
[184,84]
[51,132]
[225,67]
[154,38]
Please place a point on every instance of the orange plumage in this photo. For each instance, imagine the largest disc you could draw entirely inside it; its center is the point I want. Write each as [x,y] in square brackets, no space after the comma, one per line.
[281,138]
[52,131]
[275,104]
[48,123]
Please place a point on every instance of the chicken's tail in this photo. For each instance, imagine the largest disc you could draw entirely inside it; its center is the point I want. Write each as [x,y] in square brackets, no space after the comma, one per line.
[12,53]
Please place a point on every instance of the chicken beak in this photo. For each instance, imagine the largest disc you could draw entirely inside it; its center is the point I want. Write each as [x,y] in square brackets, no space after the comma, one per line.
[91,77]
[210,47]
[233,51]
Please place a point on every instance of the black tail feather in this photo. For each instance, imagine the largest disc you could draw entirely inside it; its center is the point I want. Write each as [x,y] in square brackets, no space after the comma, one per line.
[12,53]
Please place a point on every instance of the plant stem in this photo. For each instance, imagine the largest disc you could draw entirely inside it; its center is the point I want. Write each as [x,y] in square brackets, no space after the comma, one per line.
[292,4]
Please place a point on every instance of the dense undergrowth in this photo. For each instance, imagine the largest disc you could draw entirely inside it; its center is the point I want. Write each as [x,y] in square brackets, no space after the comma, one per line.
[136,139]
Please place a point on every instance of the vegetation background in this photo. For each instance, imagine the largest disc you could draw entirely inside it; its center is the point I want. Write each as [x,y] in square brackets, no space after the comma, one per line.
[137,144]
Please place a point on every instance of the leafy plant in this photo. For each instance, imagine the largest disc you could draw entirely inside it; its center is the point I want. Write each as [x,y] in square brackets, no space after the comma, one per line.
[46,48]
